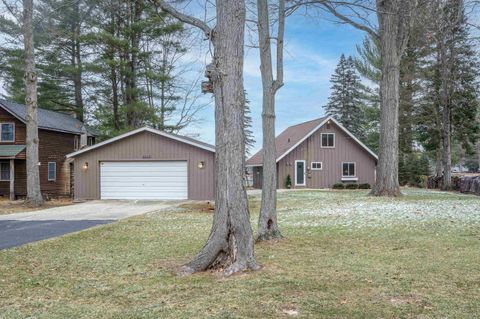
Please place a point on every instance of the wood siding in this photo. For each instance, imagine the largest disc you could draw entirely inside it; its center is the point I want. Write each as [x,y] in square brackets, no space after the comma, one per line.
[145,146]
[310,150]
[53,146]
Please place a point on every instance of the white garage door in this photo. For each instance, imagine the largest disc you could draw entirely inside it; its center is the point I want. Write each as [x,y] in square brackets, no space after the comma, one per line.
[144,180]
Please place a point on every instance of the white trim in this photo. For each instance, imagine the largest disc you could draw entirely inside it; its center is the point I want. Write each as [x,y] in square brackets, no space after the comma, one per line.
[316,169]
[139,130]
[354,170]
[304,173]
[354,138]
[321,140]
[13,124]
[253,165]
[317,128]
[54,171]
[349,179]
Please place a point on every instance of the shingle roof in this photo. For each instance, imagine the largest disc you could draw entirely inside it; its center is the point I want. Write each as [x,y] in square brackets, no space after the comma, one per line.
[10,150]
[287,139]
[184,139]
[47,120]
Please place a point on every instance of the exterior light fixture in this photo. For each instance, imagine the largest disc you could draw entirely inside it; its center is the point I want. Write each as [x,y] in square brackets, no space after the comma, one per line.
[85,166]
[39,163]
[201,164]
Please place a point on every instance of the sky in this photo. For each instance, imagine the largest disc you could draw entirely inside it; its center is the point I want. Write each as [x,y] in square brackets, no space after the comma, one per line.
[312,50]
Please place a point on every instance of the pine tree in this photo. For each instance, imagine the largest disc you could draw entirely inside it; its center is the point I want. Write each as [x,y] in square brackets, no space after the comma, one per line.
[247,118]
[450,84]
[345,102]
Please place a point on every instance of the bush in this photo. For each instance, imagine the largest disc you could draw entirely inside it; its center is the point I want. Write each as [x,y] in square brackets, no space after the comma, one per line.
[338,186]
[364,186]
[288,181]
[351,186]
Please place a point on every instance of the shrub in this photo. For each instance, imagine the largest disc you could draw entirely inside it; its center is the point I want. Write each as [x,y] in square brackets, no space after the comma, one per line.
[288,181]
[338,186]
[364,186]
[351,186]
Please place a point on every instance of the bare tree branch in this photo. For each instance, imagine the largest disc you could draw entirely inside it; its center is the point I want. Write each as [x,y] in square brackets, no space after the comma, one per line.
[185,18]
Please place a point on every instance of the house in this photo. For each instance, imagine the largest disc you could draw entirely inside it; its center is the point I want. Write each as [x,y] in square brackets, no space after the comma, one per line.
[59,134]
[318,154]
[145,164]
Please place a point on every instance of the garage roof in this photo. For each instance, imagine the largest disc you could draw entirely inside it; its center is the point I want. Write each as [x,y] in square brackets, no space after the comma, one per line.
[183,139]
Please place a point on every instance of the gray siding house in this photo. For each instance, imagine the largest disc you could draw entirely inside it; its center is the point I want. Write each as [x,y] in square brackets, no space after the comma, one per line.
[145,164]
[318,154]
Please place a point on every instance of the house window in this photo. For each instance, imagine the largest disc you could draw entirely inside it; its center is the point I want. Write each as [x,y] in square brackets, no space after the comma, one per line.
[7,132]
[4,171]
[52,171]
[316,166]
[76,142]
[328,140]
[90,141]
[348,169]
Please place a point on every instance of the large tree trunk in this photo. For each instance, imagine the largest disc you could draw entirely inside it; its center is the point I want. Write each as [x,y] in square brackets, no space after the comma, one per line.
[230,245]
[387,167]
[446,116]
[267,221]
[34,195]
[438,161]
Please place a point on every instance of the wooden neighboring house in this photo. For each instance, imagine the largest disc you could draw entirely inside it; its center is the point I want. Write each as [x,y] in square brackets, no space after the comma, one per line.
[59,134]
[318,154]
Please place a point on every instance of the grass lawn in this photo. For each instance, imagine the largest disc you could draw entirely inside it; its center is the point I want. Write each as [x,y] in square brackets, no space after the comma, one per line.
[345,255]
[18,206]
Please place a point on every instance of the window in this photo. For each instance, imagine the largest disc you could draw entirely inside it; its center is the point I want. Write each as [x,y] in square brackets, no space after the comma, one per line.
[348,169]
[5,171]
[328,140]
[52,171]
[316,166]
[76,142]
[7,132]
[90,141]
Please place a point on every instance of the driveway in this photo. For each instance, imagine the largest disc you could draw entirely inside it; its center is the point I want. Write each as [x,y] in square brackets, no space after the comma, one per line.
[21,228]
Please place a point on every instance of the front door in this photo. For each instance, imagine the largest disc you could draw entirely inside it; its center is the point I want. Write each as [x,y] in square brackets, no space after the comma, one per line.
[300,173]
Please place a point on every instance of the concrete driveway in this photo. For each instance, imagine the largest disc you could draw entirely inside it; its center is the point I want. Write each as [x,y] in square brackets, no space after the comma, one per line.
[21,228]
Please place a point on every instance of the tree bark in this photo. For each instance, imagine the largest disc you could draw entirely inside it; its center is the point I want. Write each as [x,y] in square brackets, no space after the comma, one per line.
[230,245]
[77,64]
[34,195]
[267,221]
[446,116]
[394,24]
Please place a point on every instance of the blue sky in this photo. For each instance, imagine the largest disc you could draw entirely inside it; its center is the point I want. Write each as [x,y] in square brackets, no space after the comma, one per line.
[312,50]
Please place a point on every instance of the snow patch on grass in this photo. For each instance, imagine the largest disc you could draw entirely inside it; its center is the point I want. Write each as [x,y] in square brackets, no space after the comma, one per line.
[356,209]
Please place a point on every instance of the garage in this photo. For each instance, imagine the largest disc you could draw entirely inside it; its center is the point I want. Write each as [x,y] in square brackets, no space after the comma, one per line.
[144,164]
[144,180]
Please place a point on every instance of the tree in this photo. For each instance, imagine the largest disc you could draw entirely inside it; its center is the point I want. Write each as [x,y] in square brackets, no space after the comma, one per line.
[34,195]
[249,138]
[267,222]
[449,103]
[345,102]
[395,18]
[230,245]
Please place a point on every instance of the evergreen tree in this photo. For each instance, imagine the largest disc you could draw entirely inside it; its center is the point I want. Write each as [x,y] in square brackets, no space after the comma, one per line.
[448,116]
[345,102]
[247,118]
